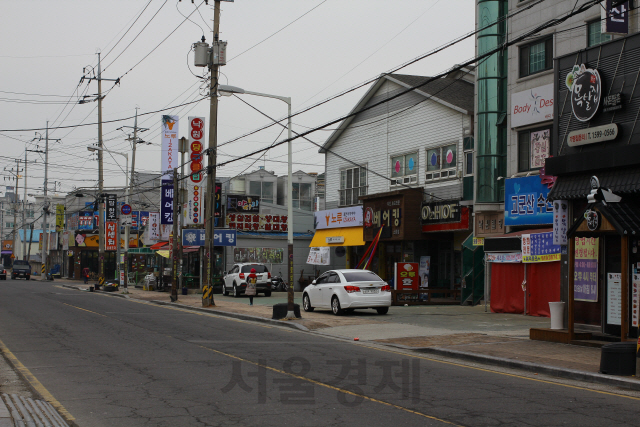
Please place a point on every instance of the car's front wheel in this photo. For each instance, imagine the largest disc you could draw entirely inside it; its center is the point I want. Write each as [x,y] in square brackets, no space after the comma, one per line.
[335,306]
[306,304]
[382,310]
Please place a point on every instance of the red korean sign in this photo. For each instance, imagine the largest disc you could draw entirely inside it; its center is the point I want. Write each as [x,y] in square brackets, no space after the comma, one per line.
[111,235]
[192,209]
[406,276]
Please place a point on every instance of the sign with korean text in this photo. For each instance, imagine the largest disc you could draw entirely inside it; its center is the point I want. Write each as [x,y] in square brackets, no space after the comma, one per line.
[59,217]
[488,224]
[193,206]
[196,237]
[384,213]
[478,241]
[585,269]
[500,257]
[635,300]
[111,237]
[585,86]
[560,222]
[111,214]
[262,255]
[154,226]
[166,202]
[337,218]
[407,276]
[532,106]
[540,143]
[614,19]
[169,150]
[319,256]
[218,203]
[257,222]
[65,240]
[243,204]
[614,298]
[539,247]
[7,245]
[525,202]
[592,135]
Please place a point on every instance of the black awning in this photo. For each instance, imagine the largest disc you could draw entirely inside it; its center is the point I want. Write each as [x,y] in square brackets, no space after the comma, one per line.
[624,217]
[578,186]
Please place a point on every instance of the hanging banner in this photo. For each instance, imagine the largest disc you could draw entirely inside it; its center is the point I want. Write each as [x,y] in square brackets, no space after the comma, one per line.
[585,269]
[425,267]
[500,257]
[560,222]
[65,241]
[53,241]
[262,255]
[154,226]
[193,206]
[319,256]
[59,217]
[166,202]
[635,300]
[169,151]
[614,19]
[539,247]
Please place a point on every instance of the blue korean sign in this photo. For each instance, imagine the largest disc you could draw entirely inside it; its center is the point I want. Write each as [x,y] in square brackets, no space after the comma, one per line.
[539,247]
[166,206]
[525,202]
[196,237]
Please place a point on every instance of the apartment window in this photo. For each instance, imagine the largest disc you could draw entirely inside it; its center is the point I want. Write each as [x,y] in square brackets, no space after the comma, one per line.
[30,213]
[594,36]
[533,148]
[536,57]
[442,162]
[262,189]
[301,196]
[353,184]
[404,169]
[467,145]
[8,225]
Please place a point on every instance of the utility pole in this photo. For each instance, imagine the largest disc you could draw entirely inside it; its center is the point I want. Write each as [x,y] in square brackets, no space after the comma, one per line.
[212,152]
[46,206]
[182,147]
[176,241]
[101,231]
[16,203]
[134,140]
[24,208]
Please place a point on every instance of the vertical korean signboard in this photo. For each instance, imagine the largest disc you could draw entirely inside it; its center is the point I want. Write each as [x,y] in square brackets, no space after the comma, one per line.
[585,269]
[192,208]
[169,162]
[111,224]
[154,226]
[406,276]
[560,222]
[59,217]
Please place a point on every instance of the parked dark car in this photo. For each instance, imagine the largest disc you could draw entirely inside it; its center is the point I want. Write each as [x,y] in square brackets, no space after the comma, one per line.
[21,268]
[3,272]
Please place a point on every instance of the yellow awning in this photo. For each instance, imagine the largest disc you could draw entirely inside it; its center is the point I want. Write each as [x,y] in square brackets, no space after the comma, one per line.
[353,236]
[163,253]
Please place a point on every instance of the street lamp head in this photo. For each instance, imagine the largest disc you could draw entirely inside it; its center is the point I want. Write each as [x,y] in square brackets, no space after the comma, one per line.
[90,148]
[226,90]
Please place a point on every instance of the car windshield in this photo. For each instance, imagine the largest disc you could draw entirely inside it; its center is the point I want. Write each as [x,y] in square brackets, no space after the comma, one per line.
[361,276]
[259,268]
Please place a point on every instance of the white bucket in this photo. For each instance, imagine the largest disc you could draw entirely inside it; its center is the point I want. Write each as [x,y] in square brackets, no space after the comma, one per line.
[557,314]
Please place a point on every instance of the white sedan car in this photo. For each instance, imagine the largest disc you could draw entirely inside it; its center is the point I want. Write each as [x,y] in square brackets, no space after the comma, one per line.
[346,290]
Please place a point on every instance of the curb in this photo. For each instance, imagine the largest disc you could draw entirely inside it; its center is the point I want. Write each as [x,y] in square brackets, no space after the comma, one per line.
[239,316]
[570,374]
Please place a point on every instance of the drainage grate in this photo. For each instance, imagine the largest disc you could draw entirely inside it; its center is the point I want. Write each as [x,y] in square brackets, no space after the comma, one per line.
[27,412]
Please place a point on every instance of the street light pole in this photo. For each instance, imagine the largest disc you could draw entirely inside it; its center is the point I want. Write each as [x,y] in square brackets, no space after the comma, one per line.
[224,90]
[101,225]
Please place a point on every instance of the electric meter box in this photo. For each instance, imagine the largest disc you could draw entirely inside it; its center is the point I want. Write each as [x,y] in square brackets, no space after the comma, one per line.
[220,53]
[201,54]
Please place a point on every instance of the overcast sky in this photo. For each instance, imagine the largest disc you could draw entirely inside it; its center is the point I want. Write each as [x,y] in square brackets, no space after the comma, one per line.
[319,49]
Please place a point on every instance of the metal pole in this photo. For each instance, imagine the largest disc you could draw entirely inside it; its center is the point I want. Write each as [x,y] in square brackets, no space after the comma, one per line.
[175,251]
[24,207]
[290,305]
[15,210]
[46,206]
[129,185]
[101,233]
[212,154]
[183,148]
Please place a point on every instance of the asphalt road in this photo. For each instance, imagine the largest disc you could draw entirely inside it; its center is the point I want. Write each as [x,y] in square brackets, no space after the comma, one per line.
[116,362]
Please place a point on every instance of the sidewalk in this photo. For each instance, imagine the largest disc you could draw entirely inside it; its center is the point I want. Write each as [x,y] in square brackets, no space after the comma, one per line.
[461,332]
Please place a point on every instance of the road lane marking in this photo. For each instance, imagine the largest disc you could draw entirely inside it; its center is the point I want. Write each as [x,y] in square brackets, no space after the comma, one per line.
[84,309]
[37,385]
[331,387]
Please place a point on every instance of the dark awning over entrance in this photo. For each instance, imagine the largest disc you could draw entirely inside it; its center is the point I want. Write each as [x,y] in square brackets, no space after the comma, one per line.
[578,186]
